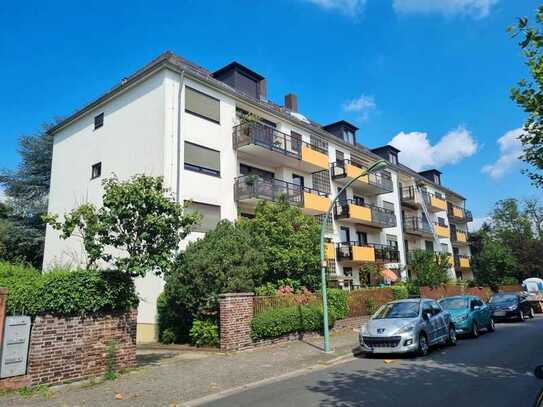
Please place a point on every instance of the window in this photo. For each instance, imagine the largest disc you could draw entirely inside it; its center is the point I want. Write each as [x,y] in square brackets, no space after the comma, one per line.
[348,136]
[96,170]
[388,205]
[345,235]
[211,215]
[358,200]
[393,158]
[340,157]
[202,105]
[248,170]
[362,237]
[441,221]
[392,240]
[444,248]
[429,245]
[295,141]
[98,121]
[202,159]
[437,179]
[298,180]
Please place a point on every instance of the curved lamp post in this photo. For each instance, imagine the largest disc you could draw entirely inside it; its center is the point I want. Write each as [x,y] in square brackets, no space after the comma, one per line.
[375,167]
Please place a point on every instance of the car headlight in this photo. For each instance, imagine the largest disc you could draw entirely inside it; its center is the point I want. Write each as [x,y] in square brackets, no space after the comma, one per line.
[512,308]
[407,328]
[364,329]
[461,318]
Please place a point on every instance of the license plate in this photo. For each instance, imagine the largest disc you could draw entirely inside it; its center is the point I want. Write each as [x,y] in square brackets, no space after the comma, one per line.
[499,313]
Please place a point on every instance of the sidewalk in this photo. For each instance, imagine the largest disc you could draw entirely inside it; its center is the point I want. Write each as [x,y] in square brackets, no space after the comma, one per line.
[170,378]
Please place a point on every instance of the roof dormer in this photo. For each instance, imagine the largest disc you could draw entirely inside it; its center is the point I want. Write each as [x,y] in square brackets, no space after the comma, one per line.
[343,130]
[433,175]
[242,79]
[388,152]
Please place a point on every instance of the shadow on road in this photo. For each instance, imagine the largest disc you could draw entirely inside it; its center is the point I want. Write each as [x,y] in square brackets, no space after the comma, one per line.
[153,358]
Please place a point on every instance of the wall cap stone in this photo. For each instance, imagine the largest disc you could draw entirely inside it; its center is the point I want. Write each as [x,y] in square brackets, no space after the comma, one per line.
[229,295]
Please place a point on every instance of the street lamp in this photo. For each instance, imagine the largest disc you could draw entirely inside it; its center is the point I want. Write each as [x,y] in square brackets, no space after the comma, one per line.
[375,167]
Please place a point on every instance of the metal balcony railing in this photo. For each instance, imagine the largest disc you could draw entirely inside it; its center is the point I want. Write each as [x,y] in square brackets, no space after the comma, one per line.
[271,189]
[383,253]
[379,215]
[378,179]
[407,194]
[417,225]
[268,137]
[454,235]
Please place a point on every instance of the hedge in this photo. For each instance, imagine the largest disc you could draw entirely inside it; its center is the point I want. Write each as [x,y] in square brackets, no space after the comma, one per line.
[281,321]
[400,292]
[338,302]
[64,292]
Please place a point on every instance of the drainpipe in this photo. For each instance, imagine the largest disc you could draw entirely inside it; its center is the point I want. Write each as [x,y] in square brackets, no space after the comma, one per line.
[180,115]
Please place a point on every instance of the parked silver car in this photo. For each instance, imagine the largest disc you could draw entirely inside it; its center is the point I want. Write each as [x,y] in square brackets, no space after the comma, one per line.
[404,326]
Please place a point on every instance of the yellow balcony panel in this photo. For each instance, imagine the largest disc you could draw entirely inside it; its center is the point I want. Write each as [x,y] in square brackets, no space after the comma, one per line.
[461,237]
[315,204]
[352,171]
[458,212]
[314,158]
[363,254]
[442,231]
[438,203]
[329,251]
[359,213]
[464,263]
[451,261]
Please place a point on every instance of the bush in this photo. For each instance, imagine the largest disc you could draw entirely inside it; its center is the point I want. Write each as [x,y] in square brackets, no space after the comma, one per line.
[204,333]
[337,301]
[64,292]
[266,290]
[167,336]
[282,321]
[412,289]
[400,292]
[172,317]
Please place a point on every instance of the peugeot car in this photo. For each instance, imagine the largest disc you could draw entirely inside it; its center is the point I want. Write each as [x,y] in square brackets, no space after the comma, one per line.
[404,326]
[510,305]
[469,314]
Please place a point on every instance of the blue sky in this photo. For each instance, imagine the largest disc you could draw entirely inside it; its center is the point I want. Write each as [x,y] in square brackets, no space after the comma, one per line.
[430,76]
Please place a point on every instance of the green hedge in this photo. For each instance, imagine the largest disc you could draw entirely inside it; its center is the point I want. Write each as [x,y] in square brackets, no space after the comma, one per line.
[282,321]
[64,292]
[204,333]
[400,292]
[338,302]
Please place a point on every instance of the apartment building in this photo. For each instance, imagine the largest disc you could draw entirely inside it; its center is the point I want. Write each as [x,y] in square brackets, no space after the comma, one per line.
[218,141]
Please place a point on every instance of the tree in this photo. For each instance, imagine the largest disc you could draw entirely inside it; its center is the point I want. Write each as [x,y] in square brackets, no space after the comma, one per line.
[26,189]
[494,263]
[289,241]
[430,269]
[510,223]
[138,229]
[529,95]
[534,212]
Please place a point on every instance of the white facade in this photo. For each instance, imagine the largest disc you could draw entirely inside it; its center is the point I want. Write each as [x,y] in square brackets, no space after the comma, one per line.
[144,131]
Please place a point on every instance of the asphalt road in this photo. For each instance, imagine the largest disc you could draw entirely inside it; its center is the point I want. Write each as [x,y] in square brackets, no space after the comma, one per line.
[494,370]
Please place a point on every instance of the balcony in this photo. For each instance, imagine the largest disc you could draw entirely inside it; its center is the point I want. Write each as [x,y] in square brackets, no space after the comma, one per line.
[271,147]
[354,211]
[435,203]
[469,216]
[372,184]
[457,213]
[461,262]
[442,230]
[329,251]
[408,197]
[250,189]
[459,237]
[417,226]
[355,253]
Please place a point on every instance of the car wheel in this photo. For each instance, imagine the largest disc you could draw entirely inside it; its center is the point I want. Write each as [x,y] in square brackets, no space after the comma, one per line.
[423,345]
[532,314]
[452,336]
[521,316]
[474,330]
[491,326]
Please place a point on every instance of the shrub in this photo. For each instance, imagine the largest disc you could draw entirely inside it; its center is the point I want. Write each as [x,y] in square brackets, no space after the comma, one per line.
[400,291]
[282,321]
[266,290]
[412,289]
[172,317]
[337,301]
[204,333]
[64,292]
[167,336]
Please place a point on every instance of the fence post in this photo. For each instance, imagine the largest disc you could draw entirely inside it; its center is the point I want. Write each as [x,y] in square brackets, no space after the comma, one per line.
[235,315]
[3,304]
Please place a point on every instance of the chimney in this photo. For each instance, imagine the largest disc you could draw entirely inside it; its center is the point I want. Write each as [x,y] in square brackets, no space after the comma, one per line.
[291,102]
[263,89]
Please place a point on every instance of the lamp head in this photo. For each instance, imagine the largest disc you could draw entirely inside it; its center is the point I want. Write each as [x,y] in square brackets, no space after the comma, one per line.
[379,165]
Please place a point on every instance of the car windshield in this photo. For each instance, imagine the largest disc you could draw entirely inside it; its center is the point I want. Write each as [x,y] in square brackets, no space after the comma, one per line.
[503,298]
[454,303]
[398,310]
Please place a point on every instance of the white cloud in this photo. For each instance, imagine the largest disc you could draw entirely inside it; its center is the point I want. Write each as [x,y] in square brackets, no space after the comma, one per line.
[477,223]
[418,153]
[2,195]
[362,105]
[447,8]
[510,151]
[348,7]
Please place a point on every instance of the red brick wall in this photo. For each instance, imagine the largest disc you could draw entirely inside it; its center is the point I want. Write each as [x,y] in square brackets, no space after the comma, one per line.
[236,313]
[68,349]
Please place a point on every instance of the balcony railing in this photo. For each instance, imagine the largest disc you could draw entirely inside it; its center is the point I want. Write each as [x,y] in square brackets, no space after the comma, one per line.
[377,215]
[469,216]
[407,194]
[370,252]
[456,212]
[459,236]
[461,262]
[271,189]
[436,202]
[416,225]
[351,169]
[268,137]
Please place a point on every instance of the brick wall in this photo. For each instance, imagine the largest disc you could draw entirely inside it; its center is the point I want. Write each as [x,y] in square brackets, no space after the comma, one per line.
[69,349]
[236,313]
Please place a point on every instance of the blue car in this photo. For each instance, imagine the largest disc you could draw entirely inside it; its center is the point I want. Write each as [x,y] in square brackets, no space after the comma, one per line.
[469,314]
